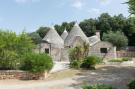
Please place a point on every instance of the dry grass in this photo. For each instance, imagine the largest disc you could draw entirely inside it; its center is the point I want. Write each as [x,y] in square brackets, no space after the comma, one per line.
[63,74]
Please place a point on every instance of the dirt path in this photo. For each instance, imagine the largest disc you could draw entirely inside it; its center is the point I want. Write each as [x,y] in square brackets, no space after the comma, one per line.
[117,76]
[63,83]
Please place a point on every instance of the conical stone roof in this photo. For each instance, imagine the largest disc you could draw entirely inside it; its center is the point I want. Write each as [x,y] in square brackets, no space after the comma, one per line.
[64,34]
[76,31]
[53,38]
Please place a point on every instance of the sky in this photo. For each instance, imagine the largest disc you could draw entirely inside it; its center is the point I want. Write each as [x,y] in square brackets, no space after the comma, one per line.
[29,15]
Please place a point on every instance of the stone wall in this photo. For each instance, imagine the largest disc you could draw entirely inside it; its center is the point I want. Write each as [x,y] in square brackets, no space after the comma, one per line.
[121,54]
[54,52]
[22,75]
[65,54]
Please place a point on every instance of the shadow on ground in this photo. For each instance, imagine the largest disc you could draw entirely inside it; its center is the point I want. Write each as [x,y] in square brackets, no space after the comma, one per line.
[115,76]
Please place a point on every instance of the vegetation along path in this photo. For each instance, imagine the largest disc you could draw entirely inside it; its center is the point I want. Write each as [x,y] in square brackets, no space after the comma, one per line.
[117,76]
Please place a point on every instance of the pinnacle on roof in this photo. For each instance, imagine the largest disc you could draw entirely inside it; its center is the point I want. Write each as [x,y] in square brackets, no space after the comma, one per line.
[64,34]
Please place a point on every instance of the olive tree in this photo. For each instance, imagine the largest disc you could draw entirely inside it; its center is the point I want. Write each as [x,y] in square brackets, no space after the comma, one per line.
[117,38]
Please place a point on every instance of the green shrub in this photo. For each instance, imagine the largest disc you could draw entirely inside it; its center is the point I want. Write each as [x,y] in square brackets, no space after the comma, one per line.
[76,53]
[37,63]
[8,60]
[12,46]
[120,59]
[116,60]
[90,62]
[75,64]
[131,85]
[98,87]
[126,59]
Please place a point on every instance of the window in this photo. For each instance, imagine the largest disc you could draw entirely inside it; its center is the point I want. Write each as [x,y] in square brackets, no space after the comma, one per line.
[103,50]
[47,50]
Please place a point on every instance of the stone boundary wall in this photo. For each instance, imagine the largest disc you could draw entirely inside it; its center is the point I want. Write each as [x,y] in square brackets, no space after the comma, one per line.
[22,75]
[125,54]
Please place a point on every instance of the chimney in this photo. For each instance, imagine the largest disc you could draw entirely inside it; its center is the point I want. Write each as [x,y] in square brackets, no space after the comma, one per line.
[98,33]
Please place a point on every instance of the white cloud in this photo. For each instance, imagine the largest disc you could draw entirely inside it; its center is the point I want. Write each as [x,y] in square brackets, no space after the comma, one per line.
[78,4]
[94,10]
[26,1]
[105,2]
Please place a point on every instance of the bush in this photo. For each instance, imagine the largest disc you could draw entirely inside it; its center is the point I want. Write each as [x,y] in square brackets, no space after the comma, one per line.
[131,85]
[37,63]
[8,60]
[90,62]
[76,53]
[79,52]
[126,59]
[12,46]
[75,64]
[98,87]
[116,60]
[120,59]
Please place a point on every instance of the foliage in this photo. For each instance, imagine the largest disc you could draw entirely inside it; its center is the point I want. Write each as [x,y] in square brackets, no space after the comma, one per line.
[37,63]
[98,87]
[75,64]
[126,59]
[90,29]
[116,60]
[76,57]
[119,41]
[12,47]
[90,62]
[76,53]
[8,60]
[35,37]
[131,4]
[85,49]
[63,26]
[131,85]
[120,59]
[129,30]
[42,31]
[104,23]
[79,52]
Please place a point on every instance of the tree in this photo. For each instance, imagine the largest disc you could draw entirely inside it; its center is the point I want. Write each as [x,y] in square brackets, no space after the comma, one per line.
[104,22]
[35,37]
[12,47]
[131,4]
[117,23]
[118,39]
[63,26]
[42,31]
[88,26]
[129,30]
[59,29]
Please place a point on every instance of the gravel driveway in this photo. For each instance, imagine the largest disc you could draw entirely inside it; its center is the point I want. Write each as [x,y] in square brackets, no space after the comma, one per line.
[117,76]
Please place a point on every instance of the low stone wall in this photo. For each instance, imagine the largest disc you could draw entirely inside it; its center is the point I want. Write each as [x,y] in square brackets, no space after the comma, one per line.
[22,75]
[125,54]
